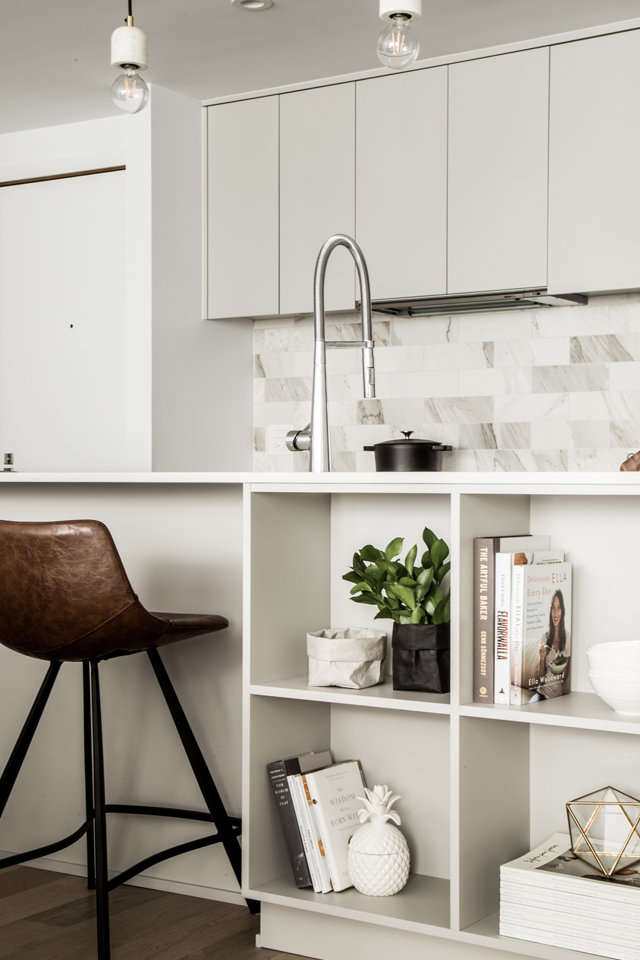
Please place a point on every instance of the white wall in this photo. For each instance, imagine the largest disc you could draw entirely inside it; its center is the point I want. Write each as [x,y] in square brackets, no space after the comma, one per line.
[202,370]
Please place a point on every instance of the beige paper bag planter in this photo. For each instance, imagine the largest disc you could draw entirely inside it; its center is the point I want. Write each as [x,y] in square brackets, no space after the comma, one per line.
[346,657]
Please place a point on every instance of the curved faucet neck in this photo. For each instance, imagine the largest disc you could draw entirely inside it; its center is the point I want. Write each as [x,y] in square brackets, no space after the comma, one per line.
[341,240]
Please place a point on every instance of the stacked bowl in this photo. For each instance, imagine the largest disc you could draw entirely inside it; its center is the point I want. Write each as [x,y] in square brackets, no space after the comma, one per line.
[614,672]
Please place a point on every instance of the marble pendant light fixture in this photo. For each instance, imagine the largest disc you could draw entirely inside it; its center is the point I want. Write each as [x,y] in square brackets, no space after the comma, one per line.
[130,53]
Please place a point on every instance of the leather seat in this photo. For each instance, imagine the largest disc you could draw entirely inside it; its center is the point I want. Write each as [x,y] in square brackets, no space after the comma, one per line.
[64,595]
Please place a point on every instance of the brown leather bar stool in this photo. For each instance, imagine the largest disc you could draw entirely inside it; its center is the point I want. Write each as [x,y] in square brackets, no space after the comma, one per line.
[64,596]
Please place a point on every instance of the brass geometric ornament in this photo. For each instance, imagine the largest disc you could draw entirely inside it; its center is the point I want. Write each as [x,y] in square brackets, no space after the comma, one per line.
[605,829]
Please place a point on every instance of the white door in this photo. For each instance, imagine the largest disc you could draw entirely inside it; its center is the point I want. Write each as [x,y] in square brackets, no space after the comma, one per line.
[401,182]
[498,154]
[242,218]
[63,324]
[317,194]
[594,165]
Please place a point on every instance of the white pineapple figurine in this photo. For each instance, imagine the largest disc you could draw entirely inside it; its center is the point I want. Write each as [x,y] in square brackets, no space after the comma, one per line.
[378,856]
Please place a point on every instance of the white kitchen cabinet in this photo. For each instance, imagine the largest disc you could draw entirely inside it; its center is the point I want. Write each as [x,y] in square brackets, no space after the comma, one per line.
[498,146]
[401,182]
[594,163]
[317,194]
[242,208]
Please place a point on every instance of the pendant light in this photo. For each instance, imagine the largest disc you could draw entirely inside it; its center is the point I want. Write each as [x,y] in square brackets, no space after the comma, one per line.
[129,52]
[398,45]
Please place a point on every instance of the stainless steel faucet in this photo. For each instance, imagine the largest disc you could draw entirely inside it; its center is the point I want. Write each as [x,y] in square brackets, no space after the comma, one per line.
[315,435]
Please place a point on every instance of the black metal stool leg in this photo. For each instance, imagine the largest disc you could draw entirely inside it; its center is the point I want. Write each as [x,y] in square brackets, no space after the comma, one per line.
[88,774]
[15,761]
[201,771]
[102,878]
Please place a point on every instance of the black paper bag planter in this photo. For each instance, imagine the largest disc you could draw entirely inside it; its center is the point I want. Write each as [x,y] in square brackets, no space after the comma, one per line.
[421,657]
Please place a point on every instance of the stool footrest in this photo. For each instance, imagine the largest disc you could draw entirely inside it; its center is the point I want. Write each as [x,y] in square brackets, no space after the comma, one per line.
[159,857]
[147,811]
[46,850]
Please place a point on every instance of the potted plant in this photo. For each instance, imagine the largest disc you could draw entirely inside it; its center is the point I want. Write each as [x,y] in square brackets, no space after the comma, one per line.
[411,595]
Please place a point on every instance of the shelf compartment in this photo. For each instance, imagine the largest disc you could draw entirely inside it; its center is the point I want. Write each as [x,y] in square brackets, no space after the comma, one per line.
[381,696]
[422,906]
[583,711]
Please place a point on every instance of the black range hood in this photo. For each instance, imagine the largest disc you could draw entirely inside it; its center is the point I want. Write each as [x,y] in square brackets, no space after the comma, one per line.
[474,303]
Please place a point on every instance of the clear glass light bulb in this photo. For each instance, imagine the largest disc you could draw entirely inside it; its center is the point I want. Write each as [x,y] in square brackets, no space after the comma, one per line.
[398,45]
[129,91]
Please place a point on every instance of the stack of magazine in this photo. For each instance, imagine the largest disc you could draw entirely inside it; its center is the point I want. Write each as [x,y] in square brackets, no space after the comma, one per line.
[522,620]
[318,803]
[551,896]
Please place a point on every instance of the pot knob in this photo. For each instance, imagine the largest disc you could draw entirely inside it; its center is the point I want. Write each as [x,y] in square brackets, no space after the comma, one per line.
[406,433]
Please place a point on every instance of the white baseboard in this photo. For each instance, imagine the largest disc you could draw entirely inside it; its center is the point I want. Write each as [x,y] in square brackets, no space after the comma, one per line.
[149,883]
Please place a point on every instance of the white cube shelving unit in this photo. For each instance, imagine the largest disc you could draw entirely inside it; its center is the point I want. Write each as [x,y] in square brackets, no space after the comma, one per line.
[480,784]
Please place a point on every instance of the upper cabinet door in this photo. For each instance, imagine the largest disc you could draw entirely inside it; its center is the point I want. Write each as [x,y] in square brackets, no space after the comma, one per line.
[242,222]
[594,165]
[317,194]
[498,145]
[401,182]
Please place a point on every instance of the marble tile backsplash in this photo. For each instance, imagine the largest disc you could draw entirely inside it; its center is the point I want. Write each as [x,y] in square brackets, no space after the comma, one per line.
[549,389]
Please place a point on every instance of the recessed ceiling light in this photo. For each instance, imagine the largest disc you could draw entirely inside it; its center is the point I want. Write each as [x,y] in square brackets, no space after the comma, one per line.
[252,4]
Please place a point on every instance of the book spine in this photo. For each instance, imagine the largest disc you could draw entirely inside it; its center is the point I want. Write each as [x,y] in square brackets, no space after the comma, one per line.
[305,833]
[516,640]
[325,867]
[502,677]
[289,823]
[484,552]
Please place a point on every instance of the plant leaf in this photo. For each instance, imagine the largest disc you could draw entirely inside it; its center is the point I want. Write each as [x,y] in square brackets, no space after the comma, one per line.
[439,553]
[358,565]
[442,613]
[366,598]
[426,560]
[403,619]
[411,559]
[426,576]
[417,615]
[433,598]
[407,582]
[444,570]
[375,574]
[351,577]
[429,537]
[406,594]
[393,549]
[384,614]
[371,553]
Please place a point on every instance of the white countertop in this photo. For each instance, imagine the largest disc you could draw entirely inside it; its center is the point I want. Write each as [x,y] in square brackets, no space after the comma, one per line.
[437,482]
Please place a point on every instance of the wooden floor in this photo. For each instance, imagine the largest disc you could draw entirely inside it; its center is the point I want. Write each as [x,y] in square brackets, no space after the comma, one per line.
[51,916]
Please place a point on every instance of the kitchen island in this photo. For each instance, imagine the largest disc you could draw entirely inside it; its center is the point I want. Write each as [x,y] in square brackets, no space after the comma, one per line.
[480,784]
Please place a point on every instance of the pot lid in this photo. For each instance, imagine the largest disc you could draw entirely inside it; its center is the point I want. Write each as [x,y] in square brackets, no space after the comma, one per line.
[407,439]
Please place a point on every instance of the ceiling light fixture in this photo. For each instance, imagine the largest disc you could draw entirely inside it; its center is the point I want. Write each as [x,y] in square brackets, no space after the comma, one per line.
[398,45]
[252,4]
[129,52]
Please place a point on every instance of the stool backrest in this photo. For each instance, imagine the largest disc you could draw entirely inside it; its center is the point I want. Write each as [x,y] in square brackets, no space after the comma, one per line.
[62,585]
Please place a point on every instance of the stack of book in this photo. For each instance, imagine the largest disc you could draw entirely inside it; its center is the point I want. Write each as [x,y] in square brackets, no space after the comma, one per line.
[522,620]
[318,803]
[551,896]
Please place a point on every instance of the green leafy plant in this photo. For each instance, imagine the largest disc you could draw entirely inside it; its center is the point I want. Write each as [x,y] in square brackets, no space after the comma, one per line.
[403,592]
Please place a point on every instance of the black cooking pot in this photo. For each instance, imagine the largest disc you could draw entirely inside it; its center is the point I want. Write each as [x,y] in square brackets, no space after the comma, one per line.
[408,454]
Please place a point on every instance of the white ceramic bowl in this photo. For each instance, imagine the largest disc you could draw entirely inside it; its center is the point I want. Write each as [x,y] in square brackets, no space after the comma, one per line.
[628,708]
[622,668]
[620,652]
[616,687]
